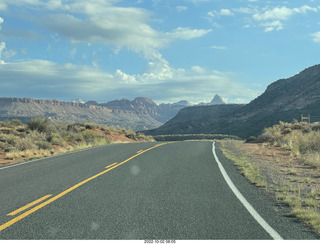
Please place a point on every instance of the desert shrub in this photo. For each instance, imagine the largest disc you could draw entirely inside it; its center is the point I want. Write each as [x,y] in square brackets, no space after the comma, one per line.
[107,129]
[25,144]
[303,126]
[141,136]
[3,145]
[41,125]
[130,134]
[10,139]
[270,134]
[90,126]
[251,139]
[315,126]
[74,137]
[36,136]
[312,159]
[56,139]
[89,136]
[14,123]
[43,145]
[76,127]
[310,142]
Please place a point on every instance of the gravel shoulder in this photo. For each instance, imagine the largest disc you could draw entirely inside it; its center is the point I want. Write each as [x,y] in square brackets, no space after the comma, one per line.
[292,184]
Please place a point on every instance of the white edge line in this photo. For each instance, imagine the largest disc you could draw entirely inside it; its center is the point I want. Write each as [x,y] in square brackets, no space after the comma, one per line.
[245,203]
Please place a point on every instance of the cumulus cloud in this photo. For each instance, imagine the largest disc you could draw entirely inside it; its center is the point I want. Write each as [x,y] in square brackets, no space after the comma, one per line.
[9,53]
[316,36]
[219,47]
[1,21]
[92,21]
[198,1]
[272,19]
[222,12]
[162,82]
[226,12]
[273,25]
[104,23]
[185,33]
[198,69]
[120,27]
[181,8]
[2,47]
[282,13]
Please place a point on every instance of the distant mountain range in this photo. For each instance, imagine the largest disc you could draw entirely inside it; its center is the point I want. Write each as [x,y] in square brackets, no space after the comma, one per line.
[139,114]
[283,100]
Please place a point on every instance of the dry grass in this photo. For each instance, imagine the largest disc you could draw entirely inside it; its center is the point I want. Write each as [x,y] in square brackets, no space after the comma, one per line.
[282,164]
[249,170]
[300,138]
[41,139]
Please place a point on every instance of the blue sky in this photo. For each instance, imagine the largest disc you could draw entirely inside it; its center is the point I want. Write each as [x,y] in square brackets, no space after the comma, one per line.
[167,50]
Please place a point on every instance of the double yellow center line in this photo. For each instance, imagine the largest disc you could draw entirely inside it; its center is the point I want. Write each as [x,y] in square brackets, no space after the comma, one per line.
[36,208]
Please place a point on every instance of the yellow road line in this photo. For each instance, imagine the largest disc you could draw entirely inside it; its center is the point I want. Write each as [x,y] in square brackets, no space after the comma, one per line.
[110,165]
[28,205]
[20,217]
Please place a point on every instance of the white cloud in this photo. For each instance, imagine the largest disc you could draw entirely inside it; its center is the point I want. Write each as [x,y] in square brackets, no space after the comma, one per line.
[102,22]
[97,21]
[316,36]
[219,47]
[123,77]
[73,52]
[9,53]
[198,69]
[222,12]
[271,26]
[3,6]
[181,8]
[2,47]
[114,26]
[226,12]
[198,1]
[185,33]
[160,81]
[277,15]
[282,13]
[1,21]
[121,28]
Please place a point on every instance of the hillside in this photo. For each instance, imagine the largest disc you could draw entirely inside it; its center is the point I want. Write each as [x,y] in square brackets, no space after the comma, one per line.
[41,138]
[70,112]
[200,119]
[142,105]
[139,114]
[283,100]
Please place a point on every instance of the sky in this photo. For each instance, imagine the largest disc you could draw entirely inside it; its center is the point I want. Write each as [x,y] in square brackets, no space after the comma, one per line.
[166,50]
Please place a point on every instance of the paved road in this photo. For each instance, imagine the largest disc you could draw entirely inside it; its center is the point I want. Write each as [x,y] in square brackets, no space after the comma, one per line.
[136,191]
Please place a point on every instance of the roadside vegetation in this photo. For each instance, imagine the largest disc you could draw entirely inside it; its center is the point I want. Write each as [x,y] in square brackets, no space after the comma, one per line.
[300,138]
[40,138]
[184,137]
[285,160]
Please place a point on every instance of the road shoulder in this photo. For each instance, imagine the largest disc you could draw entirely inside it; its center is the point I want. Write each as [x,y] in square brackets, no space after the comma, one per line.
[294,187]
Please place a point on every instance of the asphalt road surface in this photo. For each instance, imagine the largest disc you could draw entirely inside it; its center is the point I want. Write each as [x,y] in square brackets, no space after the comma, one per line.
[141,191]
